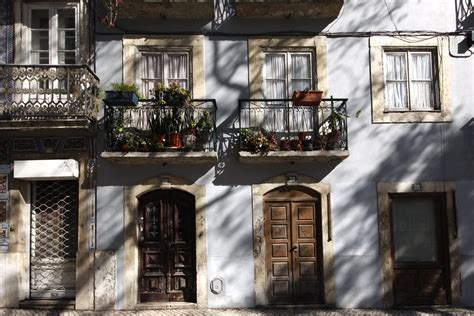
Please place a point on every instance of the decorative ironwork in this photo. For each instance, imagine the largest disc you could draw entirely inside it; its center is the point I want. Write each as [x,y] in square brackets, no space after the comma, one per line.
[32,92]
[24,144]
[289,127]
[3,211]
[152,127]
[75,143]
[53,239]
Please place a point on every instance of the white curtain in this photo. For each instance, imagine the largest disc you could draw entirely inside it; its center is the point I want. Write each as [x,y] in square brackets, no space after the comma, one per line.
[275,76]
[152,69]
[396,94]
[301,72]
[420,83]
[178,69]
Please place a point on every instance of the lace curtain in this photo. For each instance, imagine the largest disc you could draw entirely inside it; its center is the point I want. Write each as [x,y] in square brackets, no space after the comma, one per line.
[408,86]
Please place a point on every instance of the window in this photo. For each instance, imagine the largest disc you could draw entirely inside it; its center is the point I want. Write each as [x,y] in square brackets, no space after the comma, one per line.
[163,68]
[286,72]
[410,81]
[53,35]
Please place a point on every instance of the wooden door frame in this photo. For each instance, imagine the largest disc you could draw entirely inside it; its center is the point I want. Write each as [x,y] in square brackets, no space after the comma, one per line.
[258,204]
[384,189]
[131,252]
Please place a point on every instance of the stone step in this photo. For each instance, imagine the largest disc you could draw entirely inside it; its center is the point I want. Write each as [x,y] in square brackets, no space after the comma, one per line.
[48,304]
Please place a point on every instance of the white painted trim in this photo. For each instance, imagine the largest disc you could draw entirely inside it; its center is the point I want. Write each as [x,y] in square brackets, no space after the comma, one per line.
[53,169]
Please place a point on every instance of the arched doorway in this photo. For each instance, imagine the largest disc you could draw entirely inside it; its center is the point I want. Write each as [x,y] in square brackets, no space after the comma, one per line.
[167,246]
[293,247]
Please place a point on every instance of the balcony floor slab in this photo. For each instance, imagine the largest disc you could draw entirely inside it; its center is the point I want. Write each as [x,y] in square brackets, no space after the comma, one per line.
[147,158]
[293,156]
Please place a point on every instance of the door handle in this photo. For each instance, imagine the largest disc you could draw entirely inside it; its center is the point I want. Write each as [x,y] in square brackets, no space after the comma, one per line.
[294,247]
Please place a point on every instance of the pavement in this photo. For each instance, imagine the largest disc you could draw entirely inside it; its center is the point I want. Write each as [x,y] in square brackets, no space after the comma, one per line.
[240,312]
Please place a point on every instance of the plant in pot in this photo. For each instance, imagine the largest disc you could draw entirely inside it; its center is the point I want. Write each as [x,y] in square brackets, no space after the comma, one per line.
[254,141]
[173,95]
[203,129]
[159,127]
[334,135]
[122,94]
[175,128]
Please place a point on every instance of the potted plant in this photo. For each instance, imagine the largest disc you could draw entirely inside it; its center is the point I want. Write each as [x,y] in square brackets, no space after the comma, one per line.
[122,94]
[173,95]
[255,141]
[203,129]
[307,97]
[333,137]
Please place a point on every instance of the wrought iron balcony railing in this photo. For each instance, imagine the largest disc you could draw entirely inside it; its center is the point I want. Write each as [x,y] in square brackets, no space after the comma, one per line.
[47,92]
[150,127]
[278,125]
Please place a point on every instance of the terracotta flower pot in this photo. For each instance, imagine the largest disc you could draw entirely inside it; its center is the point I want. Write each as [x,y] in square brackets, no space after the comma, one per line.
[175,140]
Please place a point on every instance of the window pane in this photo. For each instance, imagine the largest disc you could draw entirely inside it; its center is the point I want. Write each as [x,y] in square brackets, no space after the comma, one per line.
[420,66]
[40,19]
[300,85]
[275,89]
[414,230]
[275,66]
[395,66]
[151,72]
[396,96]
[421,95]
[300,65]
[178,69]
[67,58]
[66,19]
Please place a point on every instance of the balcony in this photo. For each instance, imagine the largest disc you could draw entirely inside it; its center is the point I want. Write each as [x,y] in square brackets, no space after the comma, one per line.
[169,9]
[311,9]
[47,97]
[151,133]
[276,130]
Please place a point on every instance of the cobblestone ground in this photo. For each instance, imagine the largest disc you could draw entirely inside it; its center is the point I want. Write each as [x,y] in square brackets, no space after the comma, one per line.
[240,312]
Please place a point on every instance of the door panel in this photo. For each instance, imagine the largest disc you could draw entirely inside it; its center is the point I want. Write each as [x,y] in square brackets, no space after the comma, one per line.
[291,252]
[167,247]
[419,250]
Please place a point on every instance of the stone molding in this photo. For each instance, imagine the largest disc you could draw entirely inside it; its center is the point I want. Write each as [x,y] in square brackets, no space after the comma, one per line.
[258,193]
[132,194]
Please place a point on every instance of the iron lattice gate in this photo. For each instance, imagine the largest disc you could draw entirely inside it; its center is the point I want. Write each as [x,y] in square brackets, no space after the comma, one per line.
[53,239]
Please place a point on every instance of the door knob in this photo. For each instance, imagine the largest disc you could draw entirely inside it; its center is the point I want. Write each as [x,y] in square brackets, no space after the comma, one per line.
[294,247]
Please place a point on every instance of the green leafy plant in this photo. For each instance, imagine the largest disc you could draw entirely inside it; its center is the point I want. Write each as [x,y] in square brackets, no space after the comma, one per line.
[173,95]
[255,141]
[125,87]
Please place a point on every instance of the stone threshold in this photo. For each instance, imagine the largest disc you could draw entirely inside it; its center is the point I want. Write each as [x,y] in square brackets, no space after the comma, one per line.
[165,305]
[60,304]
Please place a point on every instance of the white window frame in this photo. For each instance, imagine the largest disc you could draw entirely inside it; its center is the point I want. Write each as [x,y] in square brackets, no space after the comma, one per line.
[288,69]
[407,53]
[53,29]
[165,77]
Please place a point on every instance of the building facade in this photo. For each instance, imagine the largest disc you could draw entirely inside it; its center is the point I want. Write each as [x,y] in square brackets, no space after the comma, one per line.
[246,193]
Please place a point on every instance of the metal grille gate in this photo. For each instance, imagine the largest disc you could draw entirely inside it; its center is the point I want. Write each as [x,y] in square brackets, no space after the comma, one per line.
[53,239]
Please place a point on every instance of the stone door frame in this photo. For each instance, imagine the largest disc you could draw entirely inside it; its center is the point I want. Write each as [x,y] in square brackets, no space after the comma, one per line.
[132,194]
[258,204]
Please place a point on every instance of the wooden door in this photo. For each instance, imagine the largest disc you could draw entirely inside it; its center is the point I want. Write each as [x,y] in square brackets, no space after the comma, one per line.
[293,252]
[167,247]
[419,250]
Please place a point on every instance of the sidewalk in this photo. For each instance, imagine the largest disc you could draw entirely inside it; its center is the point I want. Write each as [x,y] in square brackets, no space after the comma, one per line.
[239,312]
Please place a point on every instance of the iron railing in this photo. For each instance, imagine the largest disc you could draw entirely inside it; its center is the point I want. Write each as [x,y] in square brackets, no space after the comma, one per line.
[37,92]
[154,127]
[315,127]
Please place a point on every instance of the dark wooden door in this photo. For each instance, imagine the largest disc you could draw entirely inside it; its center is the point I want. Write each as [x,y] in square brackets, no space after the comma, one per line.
[167,247]
[293,252]
[419,250]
